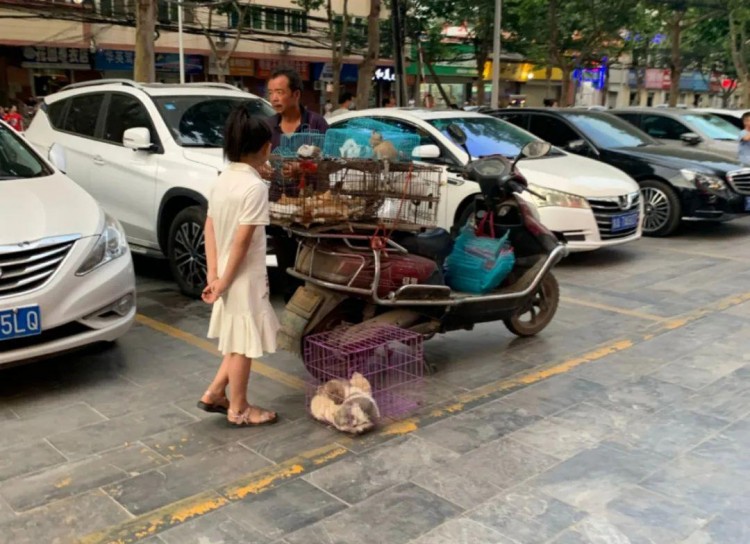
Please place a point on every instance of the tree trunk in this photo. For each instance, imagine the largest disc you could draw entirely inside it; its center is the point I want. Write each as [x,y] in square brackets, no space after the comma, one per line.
[740,49]
[338,46]
[367,68]
[567,73]
[145,27]
[675,61]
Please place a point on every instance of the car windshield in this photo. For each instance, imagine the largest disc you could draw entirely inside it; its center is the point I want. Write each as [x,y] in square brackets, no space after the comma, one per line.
[17,161]
[198,121]
[609,132]
[487,135]
[713,126]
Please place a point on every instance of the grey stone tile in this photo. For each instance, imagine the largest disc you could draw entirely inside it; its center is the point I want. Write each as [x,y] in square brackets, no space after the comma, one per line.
[117,432]
[469,430]
[466,489]
[593,477]
[703,485]
[31,429]
[554,394]
[728,449]
[462,531]
[213,528]
[64,521]
[722,530]
[286,509]
[595,529]
[71,479]
[182,479]
[502,463]
[618,368]
[596,419]
[698,370]
[395,516]
[26,458]
[526,515]
[196,438]
[6,512]
[357,478]
[669,432]
[478,366]
[646,394]
[727,398]
[556,438]
[288,439]
[647,517]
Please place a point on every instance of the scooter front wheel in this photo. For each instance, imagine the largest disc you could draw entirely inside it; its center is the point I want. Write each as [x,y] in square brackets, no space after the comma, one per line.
[539,312]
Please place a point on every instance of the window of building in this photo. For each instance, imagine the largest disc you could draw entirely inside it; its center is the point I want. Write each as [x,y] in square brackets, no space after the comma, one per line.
[298,21]
[275,19]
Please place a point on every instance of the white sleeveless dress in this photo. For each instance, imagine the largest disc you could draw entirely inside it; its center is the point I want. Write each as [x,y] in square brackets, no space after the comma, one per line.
[242,319]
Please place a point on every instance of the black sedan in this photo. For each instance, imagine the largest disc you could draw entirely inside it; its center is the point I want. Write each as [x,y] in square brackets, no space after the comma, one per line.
[675,183]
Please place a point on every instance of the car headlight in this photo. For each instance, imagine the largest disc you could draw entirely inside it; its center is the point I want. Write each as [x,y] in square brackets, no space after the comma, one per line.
[557,198]
[110,245]
[702,181]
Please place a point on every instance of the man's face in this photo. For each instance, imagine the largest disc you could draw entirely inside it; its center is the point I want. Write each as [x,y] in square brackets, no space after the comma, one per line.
[746,121]
[281,97]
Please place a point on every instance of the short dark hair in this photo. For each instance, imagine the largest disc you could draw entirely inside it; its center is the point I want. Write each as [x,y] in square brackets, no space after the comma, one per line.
[295,81]
[745,116]
[385,102]
[345,97]
[244,133]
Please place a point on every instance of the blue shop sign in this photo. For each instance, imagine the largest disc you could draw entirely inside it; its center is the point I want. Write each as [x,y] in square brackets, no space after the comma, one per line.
[114,60]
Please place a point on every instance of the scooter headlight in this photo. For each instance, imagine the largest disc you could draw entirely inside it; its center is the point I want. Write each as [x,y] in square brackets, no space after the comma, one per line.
[557,198]
[110,245]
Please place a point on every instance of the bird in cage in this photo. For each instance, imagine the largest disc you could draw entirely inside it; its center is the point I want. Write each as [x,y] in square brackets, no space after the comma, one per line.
[382,149]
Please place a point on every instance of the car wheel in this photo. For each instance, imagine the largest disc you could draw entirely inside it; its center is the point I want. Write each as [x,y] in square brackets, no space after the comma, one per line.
[662,211]
[540,310]
[186,251]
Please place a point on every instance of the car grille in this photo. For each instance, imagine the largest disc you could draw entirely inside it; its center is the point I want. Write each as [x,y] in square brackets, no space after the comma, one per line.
[740,181]
[24,268]
[606,208]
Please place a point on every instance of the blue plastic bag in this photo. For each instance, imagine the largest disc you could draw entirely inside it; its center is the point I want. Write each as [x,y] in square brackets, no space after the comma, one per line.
[479,264]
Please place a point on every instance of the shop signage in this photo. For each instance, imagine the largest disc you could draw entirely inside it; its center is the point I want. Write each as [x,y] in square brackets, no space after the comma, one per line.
[657,78]
[386,73]
[265,67]
[65,58]
[115,60]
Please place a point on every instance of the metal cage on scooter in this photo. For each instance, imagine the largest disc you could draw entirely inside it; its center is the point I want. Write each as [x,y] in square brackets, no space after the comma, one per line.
[390,358]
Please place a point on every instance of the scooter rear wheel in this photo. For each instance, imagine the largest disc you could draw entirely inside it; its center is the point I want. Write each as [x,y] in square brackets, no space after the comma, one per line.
[541,309]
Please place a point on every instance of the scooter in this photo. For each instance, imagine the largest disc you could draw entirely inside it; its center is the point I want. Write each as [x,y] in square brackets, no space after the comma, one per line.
[357,279]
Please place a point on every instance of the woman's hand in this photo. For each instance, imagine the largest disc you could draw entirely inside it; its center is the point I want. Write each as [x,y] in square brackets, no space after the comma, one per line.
[213,291]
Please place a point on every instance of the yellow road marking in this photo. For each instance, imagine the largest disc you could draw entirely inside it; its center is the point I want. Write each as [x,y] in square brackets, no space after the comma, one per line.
[614,309]
[258,482]
[261,368]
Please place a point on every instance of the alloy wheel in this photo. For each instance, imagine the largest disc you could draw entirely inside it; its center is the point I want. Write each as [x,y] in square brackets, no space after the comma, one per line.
[657,209]
[190,254]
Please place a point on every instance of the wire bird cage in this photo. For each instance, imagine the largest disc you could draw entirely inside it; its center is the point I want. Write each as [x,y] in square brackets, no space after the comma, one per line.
[370,139]
[411,194]
[291,144]
[319,191]
[390,358]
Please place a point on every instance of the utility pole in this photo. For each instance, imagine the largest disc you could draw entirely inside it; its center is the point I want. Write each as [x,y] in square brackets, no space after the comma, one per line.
[145,29]
[180,44]
[398,53]
[497,31]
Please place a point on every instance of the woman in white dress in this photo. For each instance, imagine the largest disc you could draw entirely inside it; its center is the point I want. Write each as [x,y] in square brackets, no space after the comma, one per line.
[242,318]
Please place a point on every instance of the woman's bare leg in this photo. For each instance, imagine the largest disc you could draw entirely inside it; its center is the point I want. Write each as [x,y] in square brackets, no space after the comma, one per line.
[217,389]
[238,370]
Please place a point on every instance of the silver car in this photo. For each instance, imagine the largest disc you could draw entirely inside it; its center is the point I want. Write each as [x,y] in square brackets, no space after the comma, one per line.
[685,127]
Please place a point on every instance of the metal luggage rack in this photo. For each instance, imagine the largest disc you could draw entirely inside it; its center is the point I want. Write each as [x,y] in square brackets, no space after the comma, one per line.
[414,295]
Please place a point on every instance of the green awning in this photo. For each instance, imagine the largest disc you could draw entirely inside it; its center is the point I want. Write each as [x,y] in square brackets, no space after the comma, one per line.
[444,70]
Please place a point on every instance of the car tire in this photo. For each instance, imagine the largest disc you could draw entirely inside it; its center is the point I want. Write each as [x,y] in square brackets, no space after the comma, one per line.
[186,251]
[662,210]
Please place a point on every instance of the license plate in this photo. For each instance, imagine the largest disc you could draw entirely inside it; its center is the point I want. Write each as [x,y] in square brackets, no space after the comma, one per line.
[747,203]
[20,322]
[624,221]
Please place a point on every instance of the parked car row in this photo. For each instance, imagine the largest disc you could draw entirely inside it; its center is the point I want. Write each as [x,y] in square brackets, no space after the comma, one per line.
[149,153]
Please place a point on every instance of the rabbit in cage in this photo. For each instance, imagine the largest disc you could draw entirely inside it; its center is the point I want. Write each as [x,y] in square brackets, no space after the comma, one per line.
[347,405]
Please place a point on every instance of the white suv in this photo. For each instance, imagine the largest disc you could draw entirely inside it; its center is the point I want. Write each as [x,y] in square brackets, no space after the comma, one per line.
[149,154]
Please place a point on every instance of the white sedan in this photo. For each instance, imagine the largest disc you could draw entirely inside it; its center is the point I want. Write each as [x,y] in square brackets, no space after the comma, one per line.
[588,204]
[66,274]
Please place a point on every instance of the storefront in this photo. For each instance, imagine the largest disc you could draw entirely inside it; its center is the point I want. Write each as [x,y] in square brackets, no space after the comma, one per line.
[456,80]
[118,64]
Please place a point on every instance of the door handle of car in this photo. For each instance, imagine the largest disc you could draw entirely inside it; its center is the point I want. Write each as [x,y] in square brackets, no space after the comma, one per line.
[99,161]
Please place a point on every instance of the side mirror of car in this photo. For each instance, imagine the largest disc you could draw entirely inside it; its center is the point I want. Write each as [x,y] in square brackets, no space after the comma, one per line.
[138,139]
[577,146]
[535,150]
[57,157]
[691,138]
[429,151]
